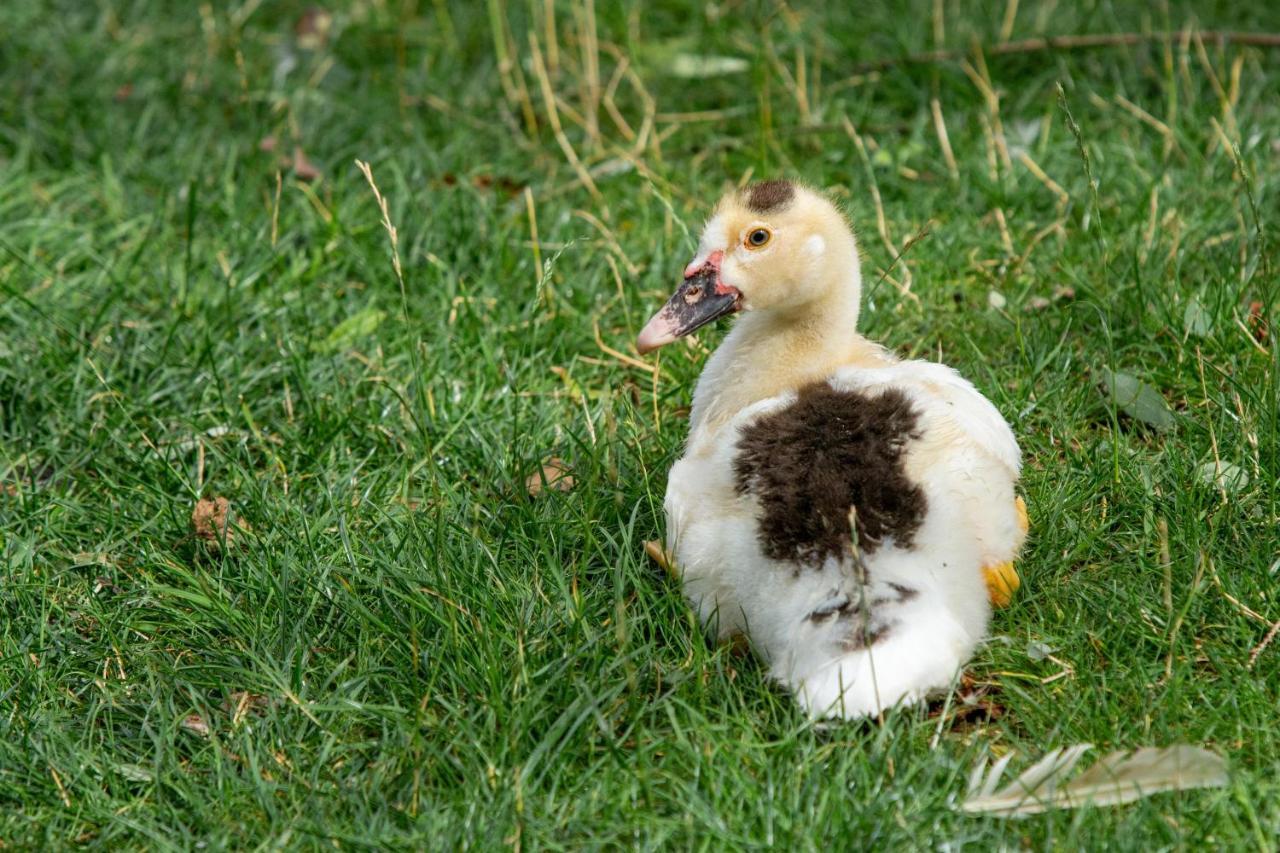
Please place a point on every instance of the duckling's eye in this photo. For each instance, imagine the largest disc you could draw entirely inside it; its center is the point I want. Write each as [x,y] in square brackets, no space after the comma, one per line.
[758,238]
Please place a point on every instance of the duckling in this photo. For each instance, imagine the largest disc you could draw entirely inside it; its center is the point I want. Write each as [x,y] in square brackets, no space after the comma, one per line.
[852,514]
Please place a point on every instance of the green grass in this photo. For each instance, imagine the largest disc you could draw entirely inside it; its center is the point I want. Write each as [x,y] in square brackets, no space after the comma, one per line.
[407,649]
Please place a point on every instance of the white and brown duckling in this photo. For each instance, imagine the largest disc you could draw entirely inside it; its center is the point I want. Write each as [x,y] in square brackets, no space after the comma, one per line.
[852,514]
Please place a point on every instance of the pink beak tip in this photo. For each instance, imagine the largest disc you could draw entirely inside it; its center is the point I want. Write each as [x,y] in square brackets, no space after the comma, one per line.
[650,339]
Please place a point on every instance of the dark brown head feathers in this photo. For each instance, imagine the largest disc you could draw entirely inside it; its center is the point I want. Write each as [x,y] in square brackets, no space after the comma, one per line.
[828,452]
[770,196]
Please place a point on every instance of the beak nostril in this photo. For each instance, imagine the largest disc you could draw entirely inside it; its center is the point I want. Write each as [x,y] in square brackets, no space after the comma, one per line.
[693,295]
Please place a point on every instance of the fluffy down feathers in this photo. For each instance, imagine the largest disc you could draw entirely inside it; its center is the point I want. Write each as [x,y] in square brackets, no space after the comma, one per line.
[834,504]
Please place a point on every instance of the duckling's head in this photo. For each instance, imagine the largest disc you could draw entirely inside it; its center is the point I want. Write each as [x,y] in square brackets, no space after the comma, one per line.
[773,247]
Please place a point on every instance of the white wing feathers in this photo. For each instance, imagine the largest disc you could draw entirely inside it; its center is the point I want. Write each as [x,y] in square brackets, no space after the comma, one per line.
[945,395]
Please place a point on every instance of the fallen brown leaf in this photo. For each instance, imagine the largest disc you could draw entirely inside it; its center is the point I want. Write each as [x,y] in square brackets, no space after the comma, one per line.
[209,521]
[102,582]
[972,704]
[1257,322]
[506,185]
[195,724]
[241,703]
[554,474]
[302,167]
[312,28]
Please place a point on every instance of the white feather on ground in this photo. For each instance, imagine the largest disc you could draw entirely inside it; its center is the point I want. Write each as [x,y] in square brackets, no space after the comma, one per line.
[1117,778]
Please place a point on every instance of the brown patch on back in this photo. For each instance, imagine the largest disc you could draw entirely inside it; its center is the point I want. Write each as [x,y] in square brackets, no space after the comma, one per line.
[827,452]
[769,196]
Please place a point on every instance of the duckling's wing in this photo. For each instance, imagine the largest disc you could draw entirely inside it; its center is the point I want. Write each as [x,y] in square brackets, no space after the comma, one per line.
[945,396]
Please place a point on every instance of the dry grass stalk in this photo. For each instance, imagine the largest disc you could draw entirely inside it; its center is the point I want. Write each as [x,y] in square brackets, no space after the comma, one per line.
[1228,113]
[944,141]
[611,106]
[275,210]
[533,237]
[1071,42]
[392,234]
[616,354]
[1203,561]
[993,167]
[549,33]
[1006,239]
[982,79]
[1166,565]
[62,790]
[609,238]
[1266,641]
[882,224]
[650,108]
[509,73]
[1006,25]
[553,116]
[1034,168]
[588,43]
[570,113]
[1051,228]
[1146,118]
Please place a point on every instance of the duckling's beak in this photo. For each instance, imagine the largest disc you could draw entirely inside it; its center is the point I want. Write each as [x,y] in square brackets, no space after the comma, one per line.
[701,298]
